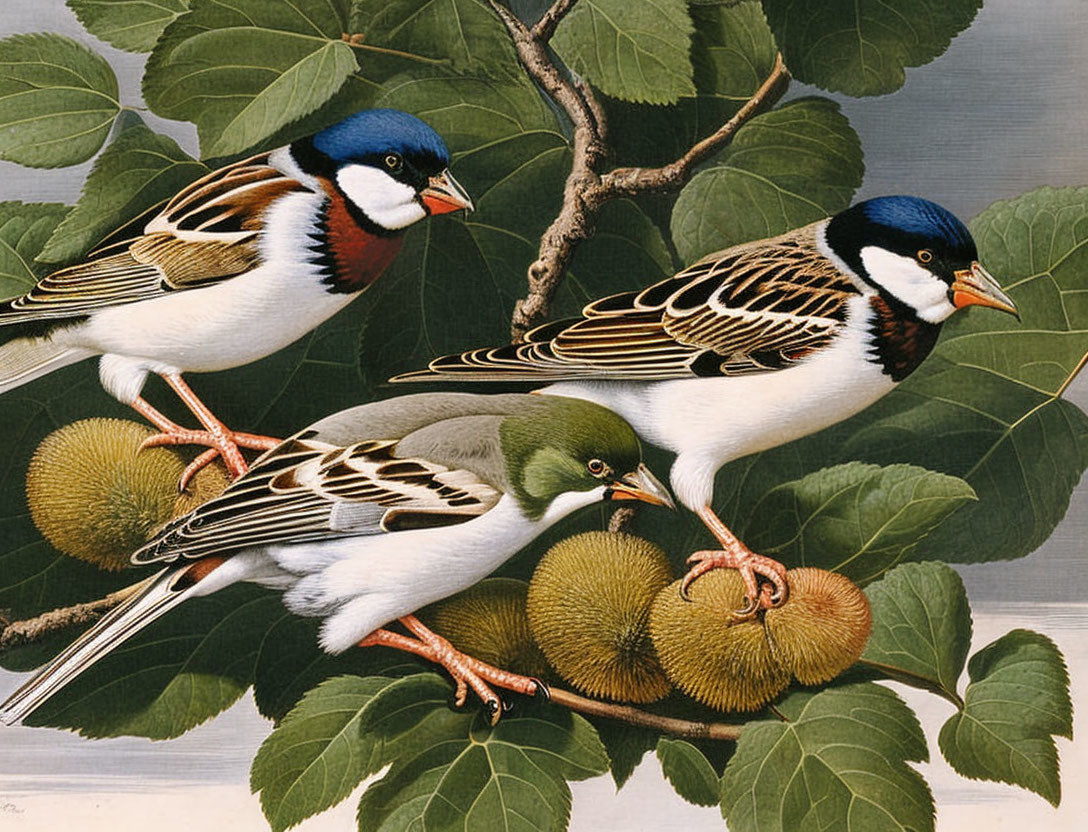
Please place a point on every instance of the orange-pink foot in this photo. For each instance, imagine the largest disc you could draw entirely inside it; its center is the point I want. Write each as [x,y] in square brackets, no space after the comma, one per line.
[221,441]
[225,445]
[752,568]
[466,671]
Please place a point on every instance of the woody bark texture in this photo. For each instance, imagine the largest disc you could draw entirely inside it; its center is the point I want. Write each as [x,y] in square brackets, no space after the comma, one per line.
[588,187]
[19,633]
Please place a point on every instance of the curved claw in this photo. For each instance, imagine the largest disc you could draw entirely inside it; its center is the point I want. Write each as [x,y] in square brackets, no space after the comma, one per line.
[749,610]
[703,563]
[460,696]
[772,596]
[209,456]
[542,691]
[466,671]
[764,579]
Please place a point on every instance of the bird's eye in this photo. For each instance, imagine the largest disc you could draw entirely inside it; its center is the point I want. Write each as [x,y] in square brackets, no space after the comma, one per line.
[925,255]
[596,467]
[394,162]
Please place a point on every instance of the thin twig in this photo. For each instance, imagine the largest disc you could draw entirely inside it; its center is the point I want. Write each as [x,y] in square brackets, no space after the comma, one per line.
[587,189]
[574,222]
[621,518]
[19,633]
[633,716]
[534,57]
[545,27]
[632,181]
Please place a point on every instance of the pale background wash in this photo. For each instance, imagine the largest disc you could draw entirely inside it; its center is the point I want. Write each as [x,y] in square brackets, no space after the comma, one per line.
[1003,111]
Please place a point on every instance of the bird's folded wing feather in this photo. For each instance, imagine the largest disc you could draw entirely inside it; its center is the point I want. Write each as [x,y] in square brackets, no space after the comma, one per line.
[208,232]
[751,308]
[310,490]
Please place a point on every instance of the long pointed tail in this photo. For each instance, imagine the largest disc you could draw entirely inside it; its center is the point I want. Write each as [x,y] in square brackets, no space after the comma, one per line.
[156,596]
[25,359]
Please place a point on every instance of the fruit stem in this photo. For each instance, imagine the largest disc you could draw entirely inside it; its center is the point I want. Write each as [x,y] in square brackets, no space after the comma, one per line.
[633,716]
[898,674]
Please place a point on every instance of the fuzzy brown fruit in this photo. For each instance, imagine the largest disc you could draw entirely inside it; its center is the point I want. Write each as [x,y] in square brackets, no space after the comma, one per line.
[823,627]
[95,498]
[589,610]
[713,658]
[488,621]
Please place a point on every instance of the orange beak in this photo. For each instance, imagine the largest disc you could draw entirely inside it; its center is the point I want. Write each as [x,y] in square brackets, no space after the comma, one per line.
[641,485]
[976,287]
[444,194]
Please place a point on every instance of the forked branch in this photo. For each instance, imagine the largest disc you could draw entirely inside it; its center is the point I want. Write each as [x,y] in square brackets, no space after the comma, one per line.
[588,187]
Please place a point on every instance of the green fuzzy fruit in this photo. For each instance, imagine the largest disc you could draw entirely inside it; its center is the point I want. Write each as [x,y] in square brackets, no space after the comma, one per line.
[712,657]
[96,497]
[589,609]
[488,622]
[822,628]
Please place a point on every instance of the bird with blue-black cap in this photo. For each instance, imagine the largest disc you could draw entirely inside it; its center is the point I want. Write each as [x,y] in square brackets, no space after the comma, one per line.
[233,268]
[755,346]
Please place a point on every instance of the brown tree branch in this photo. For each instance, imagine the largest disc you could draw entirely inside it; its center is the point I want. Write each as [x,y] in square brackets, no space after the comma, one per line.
[644,719]
[19,633]
[595,110]
[632,181]
[544,28]
[587,189]
[574,222]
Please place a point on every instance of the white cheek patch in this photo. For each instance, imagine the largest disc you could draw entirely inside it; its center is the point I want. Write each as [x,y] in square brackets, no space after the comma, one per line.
[570,501]
[385,201]
[909,282]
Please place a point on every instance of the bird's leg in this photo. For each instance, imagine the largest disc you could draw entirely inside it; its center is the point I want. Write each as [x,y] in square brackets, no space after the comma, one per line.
[222,441]
[735,555]
[466,671]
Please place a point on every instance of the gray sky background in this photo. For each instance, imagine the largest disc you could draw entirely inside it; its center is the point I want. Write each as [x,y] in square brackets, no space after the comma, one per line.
[1003,111]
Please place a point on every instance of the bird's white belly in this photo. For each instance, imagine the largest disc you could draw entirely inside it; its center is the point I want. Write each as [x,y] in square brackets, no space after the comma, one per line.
[708,422]
[228,324]
[362,583]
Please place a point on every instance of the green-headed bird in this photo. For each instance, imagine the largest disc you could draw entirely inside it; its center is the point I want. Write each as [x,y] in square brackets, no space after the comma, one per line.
[377,511]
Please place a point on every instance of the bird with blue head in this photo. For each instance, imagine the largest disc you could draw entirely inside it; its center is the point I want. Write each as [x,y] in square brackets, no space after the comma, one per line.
[756,346]
[234,267]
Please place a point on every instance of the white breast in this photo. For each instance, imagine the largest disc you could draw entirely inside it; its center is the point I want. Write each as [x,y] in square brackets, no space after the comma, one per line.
[231,323]
[708,422]
[363,583]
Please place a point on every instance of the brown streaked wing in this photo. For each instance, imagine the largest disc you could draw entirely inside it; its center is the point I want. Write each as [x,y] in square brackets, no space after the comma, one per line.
[752,308]
[148,267]
[228,201]
[185,264]
[310,490]
[757,307]
[208,232]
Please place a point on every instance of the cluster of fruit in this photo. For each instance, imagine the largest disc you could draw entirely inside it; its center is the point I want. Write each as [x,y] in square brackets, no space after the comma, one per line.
[604,613]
